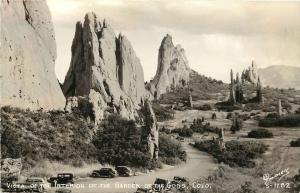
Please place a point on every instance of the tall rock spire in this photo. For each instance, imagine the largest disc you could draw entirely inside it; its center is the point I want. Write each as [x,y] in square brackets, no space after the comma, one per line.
[251,74]
[105,69]
[259,91]
[279,108]
[172,69]
[232,98]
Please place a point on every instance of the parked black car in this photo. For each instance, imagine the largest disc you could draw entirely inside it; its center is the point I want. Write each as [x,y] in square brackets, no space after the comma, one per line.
[180,183]
[181,139]
[104,173]
[62,179]
[144,190]
[161,185]
[124,171]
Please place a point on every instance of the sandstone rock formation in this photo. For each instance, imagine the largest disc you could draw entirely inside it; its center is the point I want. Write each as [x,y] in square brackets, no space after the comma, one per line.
[239,92]
[105,69]
[28,53]
[250,74]
[151,128]
[172,70]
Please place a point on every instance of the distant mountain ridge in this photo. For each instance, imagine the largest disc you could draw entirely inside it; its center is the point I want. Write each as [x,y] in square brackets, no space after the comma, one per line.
[280,76]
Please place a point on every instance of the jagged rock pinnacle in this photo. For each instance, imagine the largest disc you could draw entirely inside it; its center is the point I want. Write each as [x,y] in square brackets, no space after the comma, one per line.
[172,69]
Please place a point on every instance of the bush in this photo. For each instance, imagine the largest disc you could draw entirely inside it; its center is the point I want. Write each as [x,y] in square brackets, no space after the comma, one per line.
[260,133]
[236,153]
[162,113]
[205,107]
[183,132]
[285,121]
[121,142]
[170,150]
[34,136]
[198,127]
[295,143]
[237,124]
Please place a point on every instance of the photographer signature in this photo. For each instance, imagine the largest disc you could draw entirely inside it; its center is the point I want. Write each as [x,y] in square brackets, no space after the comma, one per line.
[268,178]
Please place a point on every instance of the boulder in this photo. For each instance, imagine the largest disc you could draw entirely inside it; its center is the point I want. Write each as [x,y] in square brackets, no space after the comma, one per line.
[173,69]
[107,66]
[28,54]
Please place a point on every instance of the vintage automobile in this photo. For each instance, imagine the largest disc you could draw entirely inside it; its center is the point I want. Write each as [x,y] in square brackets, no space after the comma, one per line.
[62,179]
[63,190]
[124,171]
[104,173]
[180,183]
[181,139]
[161,185]
[30,185]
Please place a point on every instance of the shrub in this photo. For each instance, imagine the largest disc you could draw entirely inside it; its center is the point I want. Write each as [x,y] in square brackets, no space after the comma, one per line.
[236,153]
[295,143]
[260,133]
[285,121]
[183,132]
[120,142]
[205,107]
[198,127]
[237,124]
[170,150]
[162,113]
[34,136]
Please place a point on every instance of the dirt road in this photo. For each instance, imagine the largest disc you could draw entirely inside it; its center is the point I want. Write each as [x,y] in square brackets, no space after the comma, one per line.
[198,164]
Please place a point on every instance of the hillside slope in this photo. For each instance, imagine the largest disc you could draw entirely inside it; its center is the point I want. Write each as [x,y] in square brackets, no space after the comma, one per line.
[280,76]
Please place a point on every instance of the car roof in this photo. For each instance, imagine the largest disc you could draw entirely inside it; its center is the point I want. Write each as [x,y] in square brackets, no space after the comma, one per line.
[65,174]
[34,178]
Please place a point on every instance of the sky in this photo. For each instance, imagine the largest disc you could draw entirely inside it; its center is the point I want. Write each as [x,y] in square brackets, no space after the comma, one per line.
[217,35]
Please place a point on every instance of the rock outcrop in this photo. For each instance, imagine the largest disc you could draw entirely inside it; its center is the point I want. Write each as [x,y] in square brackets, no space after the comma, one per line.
[28,53]
[172,70]
[105,69]
[151,130]
[239,92]
[250,74]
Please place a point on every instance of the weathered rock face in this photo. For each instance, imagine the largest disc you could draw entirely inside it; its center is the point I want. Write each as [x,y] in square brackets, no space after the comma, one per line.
[28,53]
[172,70]
[151,129]
[107,66]
[250,74]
